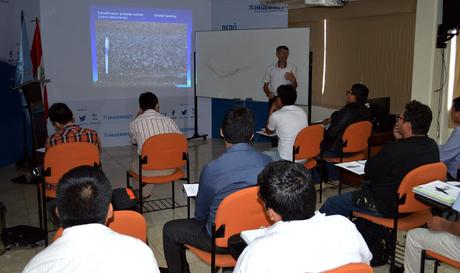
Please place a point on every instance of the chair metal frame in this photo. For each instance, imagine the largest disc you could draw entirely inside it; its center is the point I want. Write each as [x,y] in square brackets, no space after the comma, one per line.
[144,160]
[64,152]
[225,226]
[364,127]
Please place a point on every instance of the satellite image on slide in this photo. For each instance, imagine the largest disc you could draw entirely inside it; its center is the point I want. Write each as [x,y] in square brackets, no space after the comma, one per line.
[133,54]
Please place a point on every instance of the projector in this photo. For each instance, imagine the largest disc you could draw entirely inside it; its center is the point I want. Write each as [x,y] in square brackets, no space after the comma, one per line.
[325,3]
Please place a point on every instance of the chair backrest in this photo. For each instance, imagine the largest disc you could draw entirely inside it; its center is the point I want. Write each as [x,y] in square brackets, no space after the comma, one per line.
[355,136]
[125,222]
[418,176]
[307,142]
[164,151]
[352,268]
[62,158]
[239,211]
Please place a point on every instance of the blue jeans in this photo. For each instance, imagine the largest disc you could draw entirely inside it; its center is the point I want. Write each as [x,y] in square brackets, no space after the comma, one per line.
[342,204]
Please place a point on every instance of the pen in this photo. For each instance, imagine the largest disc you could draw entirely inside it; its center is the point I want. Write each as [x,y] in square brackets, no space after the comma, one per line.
[441,190]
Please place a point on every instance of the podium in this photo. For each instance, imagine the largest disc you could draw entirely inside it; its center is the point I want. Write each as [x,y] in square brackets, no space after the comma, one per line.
[32,91]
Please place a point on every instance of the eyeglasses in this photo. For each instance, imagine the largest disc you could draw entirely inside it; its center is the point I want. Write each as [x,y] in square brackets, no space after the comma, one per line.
[399,117]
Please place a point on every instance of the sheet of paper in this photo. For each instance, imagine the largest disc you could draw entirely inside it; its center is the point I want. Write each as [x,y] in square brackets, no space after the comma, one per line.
[191,190]
[356,167]
[263,133]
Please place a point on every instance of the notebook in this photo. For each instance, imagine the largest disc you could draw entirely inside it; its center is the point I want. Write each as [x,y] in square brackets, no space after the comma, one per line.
[439,191]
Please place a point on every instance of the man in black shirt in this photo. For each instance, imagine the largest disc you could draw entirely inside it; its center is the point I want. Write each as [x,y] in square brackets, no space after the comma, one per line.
[354,111]
[385,171]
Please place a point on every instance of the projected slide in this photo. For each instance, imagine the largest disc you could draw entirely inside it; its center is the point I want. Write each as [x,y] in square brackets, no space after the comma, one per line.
[140,47]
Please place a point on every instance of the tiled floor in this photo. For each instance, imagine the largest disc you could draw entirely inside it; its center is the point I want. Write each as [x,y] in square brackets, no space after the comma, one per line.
[21,201]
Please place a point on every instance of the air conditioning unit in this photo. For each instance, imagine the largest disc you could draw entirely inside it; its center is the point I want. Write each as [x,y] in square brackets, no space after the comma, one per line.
[325,3]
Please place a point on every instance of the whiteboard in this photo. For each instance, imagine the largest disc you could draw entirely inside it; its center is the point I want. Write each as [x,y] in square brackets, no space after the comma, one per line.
[232,64]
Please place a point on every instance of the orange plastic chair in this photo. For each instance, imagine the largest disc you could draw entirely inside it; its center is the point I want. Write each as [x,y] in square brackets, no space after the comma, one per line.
[354,144]
[161,152]
[59,160]
[352,268]
[439,258]
[406,203]
[239,211]
[307,145]
[125,222]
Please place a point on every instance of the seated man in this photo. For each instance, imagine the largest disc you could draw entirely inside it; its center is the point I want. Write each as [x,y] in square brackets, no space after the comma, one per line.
[442,237]
[354,110]
[300,240]
[287,120]
[87,244]
[66,129]
[385,170]
[235,169]
[450,152]
[149,122]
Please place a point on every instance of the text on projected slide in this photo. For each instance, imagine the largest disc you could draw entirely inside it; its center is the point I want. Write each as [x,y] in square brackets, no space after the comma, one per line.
[133,47]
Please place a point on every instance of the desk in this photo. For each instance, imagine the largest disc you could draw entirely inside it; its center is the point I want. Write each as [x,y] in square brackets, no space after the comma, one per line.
[437,209]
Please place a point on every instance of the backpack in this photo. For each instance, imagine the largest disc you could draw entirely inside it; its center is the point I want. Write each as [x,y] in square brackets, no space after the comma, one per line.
[125,199]
[377,238]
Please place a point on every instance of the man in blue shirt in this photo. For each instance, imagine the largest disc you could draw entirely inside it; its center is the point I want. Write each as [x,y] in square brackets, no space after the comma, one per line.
[450,152]
[235,169]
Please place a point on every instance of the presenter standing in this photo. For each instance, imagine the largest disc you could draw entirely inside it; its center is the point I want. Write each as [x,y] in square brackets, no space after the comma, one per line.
[279,73]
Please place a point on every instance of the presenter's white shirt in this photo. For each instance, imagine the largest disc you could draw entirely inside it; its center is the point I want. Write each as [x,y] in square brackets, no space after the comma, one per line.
[150,123]
[94,248]
[287,122]
[275,75]
[313,245]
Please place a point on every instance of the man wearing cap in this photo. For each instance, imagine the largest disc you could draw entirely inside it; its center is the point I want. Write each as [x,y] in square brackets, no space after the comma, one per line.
[355,110]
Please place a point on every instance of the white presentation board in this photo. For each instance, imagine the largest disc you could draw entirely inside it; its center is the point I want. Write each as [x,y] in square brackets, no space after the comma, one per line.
[232,64]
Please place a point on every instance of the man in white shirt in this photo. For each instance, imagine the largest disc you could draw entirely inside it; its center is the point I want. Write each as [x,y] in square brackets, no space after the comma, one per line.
[442,237]
[149,122]
[279,73]
[87,244]
[287,120]
[301,240]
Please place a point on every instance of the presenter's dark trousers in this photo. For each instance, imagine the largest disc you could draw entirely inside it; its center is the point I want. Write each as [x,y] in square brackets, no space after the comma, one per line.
[176,234]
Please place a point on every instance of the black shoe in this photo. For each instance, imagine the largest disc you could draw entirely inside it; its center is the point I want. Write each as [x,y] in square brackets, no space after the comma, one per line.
[163,269]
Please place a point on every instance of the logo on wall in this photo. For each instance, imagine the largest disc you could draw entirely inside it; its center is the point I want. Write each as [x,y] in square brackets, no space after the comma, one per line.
[117,117]
[94,117]
[267,8]
[234,26]
[81,118]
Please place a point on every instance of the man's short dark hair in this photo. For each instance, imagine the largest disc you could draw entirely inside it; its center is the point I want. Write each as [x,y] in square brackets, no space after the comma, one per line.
[419,115]
[360,91]
[238,125]
[148,100]
[61,113]
[286,188]
[83,197]
[287,94]
[456,104]
[281,47]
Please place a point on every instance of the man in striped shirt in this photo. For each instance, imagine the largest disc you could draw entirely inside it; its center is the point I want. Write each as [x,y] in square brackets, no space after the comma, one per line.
[66,129]
[149,122]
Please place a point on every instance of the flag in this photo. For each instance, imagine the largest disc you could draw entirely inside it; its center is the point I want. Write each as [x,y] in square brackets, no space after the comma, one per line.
[24,74]
[38,69]
[24,65]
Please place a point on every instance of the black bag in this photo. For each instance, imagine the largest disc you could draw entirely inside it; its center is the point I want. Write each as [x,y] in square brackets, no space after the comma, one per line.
[124,199]
[22,236]
[377,238]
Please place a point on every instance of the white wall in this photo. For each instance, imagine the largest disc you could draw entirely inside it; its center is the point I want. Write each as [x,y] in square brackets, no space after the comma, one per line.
[10,21]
